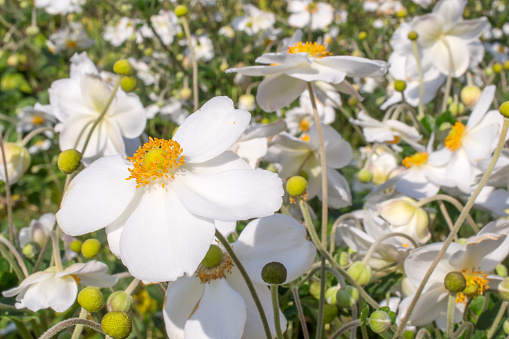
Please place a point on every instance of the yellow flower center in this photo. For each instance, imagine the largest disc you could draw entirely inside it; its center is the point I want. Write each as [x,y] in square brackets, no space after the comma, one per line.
[71,44]
[304,125]
[453,140]
[305,137]
[313,49]
[158,158]
[37,120]
[477,283]
[394,141]
[312,8]
[418,159]
[207,274]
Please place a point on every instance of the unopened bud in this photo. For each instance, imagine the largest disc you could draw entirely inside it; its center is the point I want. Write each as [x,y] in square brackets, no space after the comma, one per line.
[470,95]
[347,297]
[274,273]
[128,84]
[501,270]
[456,108]
[399,85]
[247,102]
[90,248]
[119,301]
[413,35]
[380,321]
[76,246]
[91,299]
[180,10]
[296,185]
[213,256]
[31,249]
[360,272]
[365,175]
[506,326]
[69,160]
[362,35]
[117,325]
[330,294]
[497,67]
[503,289]
[455,282]
[504,109]
[352,101]
[123,67]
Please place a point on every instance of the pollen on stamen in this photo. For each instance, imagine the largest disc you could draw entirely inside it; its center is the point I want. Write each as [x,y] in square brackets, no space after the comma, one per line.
[418,159]
[158,158]
[453,140]
[477,284]
[313,49]
[207,274]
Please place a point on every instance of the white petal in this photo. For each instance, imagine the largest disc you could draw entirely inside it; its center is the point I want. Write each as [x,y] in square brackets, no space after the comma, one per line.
[129,114]
[450,10]
[211,130]
[468,29]
[338,190]
[460,55]
[479,248]
[428,306]
[316,72]
[278,91]
[57,293]
[482,106]
[338,152]
[299,20]
[355,66]
[93,273]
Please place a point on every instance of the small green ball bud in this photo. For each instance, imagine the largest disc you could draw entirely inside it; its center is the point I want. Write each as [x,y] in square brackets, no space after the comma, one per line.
[362,35]
[504,109]
[456,108]
[330,294]
[497,67]
[213,256]
[413,35]
[399,85]
[503,289]
[119,301]
[117,325]
[506,326]
[185,93]
[352,101]
[296,185]
[32,30]
[128,84]
[90,248]
[330,312]
[365,175]
[347,297]
[360,272]
[314,289]
[69,160]
[380,321]
[506,65]
[31,249]
[501,270]
[91,299]
[455,282]
[470,95]
[180,10]
[402,13]
[123,67]
[274,273]
[343,259]
[76,246]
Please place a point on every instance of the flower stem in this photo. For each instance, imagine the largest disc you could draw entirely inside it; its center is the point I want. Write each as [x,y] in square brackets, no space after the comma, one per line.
[336,225]
[451,307]
[56,251]
[7,192]
[449,78]
[69,323]
[6,255]
[302,318]
[373,247]
[32,134]
[249,283]
[15,254]
[132,286]
[500,314]
[275,308]
[421,79]
[346,327]
[456,227]
[187,31]
[79,328]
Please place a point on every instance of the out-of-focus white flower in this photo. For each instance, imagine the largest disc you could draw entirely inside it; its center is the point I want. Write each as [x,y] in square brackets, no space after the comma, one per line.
[383,165]
[215,302]
[34,117]
[120,32]
[143,71]
[317,15]
[38,230]
[383,7]
[254,20]
[17,159]
[227,31]
[58,290]
[166,26]
[203,48]
[493,200]
[39,145]
[70,37]
[60,6]
[171,108]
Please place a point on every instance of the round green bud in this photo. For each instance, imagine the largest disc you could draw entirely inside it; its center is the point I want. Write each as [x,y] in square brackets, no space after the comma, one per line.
[352,101]
[504,109]
[123,67]
[90,248]
[413,35]
[117,325]
[119,301]
[330,294]
[497,67]
[506,326]
[69,160]
[76,246]
[501,270]
[380,321]
[470,95]
[362,273]
[31,249]
[455,282]
[365,175]
[343,259]
[456,108]
[180,10]
[32,30]
[314,289]
[330,312]
[213,256]
[347,297]
[402,13]
[506,65]
[362,35]
[274,273]
[488,71]
[91,299]
[503,289]
[399,85]
[128,84]
[185,93]
[296,185]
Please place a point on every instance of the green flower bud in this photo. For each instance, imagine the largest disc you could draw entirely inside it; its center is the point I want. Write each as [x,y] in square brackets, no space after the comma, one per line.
[365,175]
[362,35]
[455,282]
[180,10]
[360,272]
[343,259]
[119,301]
[501,270]
[402,13]
[213,256]
[76,246]
[90,248]
[69,160]
[347,297]
[497,67]
[380,321]
[506,326]
[352,101]
[296,185]
[274,273]
[330,294]
[117,325]
[504,109]
[17,160]
[314,289]
[185,93]
[32,30]
[503,289]
[31,249]
[456,108]
[128,84]
[91,299]
[330,312]
[470,95]
[399,85]
[413,35]
[123,67]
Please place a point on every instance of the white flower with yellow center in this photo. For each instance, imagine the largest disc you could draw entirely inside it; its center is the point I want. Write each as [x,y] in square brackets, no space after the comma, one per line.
[215,302]
[159,208]
[58,290]
[307,13]
[254,20]
[290,71]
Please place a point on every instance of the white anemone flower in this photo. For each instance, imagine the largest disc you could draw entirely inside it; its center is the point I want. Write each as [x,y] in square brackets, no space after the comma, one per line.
[478,257]
[215,302]
[316,15]
[58,290]
[63,7]
[38,230]
[290,71]
[17,160]
[159,208]
[78,101]
[254,20]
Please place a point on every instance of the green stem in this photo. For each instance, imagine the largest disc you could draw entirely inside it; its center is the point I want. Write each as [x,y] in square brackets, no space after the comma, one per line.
[22,329]
[248,281]
[336,225]
[500,314]
[275,308]
[132,286]
[41,254]
[449,78]
[15,253]
[79,328]
[69,323]
[300,311]
[187,31]
[7,256]
[56,251]
[347,327]
[451,307]
[421,79]
[32,134]
[456,228]
[377,243]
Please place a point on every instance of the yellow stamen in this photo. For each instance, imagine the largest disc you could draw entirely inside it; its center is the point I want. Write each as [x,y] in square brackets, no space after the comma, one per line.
[418,159]
[76,279]
[71,44]
[207,274]
[304,125]
[37,120]
[305,137]
[394,141]
[158,158]
[453,140]
[312,8]
[313,49]
[477,283]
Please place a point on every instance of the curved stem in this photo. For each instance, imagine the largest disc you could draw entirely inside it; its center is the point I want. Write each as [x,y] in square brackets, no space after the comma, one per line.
[79,328]
[451,307]
[347,327]
[302,318]
[421,78]
[500,314]
[132,286]
[373,247]
[275,308]
[6,255]
[456,228]
[187,31]
[15,254]
[336,225]
[69,323]
[32,134]
[449,77]
[423,333]
[248,281]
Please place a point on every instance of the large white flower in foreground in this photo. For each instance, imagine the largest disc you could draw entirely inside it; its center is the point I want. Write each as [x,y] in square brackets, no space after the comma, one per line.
[216,303]
[78,101]
[58,290]
[159,208]
[290,71]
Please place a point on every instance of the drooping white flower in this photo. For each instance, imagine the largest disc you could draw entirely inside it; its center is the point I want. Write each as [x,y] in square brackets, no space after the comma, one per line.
[215,302]
[38,230]
[17,160]
[159,209]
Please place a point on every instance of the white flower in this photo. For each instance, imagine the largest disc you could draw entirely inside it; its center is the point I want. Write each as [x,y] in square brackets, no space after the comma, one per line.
[202,46]
[317,15]
[34,117]
[166,26]
[78,101]
[119,33]
[60,6]
[70,38]
[254,20]
[161,220]
[18,160]
[38,230]
[220,305]
[290,71]
[58,290]
[171,108]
